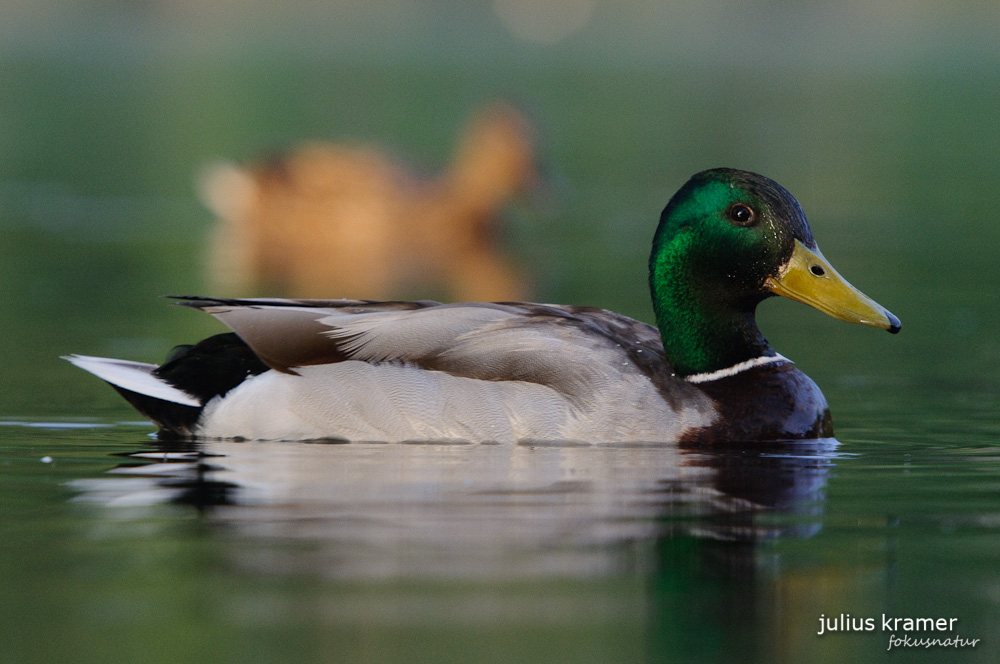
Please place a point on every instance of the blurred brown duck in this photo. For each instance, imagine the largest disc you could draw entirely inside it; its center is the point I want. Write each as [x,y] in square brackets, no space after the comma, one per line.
[329,218]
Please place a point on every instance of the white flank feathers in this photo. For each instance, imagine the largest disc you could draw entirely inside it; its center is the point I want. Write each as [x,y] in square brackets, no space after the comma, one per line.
[133,376]
[356,400]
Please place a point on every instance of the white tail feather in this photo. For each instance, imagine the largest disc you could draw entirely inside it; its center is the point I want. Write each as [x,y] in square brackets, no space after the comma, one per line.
[133,376]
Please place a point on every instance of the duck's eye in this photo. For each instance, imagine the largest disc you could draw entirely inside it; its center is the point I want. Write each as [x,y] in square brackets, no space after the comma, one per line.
[742,214]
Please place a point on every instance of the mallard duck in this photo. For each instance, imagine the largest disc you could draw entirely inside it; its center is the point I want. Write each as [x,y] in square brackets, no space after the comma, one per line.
[516,372]
[351,217]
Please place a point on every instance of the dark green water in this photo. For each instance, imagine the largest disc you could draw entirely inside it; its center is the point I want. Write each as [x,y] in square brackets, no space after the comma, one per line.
[113,548]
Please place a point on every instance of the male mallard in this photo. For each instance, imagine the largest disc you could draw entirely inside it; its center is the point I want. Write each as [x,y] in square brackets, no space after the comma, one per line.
[394,371]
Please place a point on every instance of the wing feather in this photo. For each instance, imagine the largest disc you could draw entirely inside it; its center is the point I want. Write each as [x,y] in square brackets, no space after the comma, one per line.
[544,344]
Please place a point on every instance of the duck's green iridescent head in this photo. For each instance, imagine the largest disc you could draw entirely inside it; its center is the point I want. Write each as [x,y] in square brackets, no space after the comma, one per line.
[727,240]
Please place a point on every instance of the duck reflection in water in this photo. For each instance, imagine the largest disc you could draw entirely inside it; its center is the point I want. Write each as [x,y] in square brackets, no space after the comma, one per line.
[396,509]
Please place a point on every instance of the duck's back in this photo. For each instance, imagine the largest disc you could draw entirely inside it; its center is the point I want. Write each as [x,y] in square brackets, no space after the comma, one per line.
[427,371]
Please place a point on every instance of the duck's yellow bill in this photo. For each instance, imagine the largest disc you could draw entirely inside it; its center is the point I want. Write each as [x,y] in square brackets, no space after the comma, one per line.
[809,278]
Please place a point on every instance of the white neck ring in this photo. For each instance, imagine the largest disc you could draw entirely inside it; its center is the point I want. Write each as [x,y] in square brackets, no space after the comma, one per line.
[736,368]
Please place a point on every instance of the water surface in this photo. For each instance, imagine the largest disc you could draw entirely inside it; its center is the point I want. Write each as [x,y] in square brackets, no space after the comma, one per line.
[120,546]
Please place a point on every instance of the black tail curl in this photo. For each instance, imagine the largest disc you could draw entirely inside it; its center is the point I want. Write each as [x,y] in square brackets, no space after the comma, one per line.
[210,368]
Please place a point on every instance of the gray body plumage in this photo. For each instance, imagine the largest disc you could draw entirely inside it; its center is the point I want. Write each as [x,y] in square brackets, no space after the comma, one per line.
[398,371]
